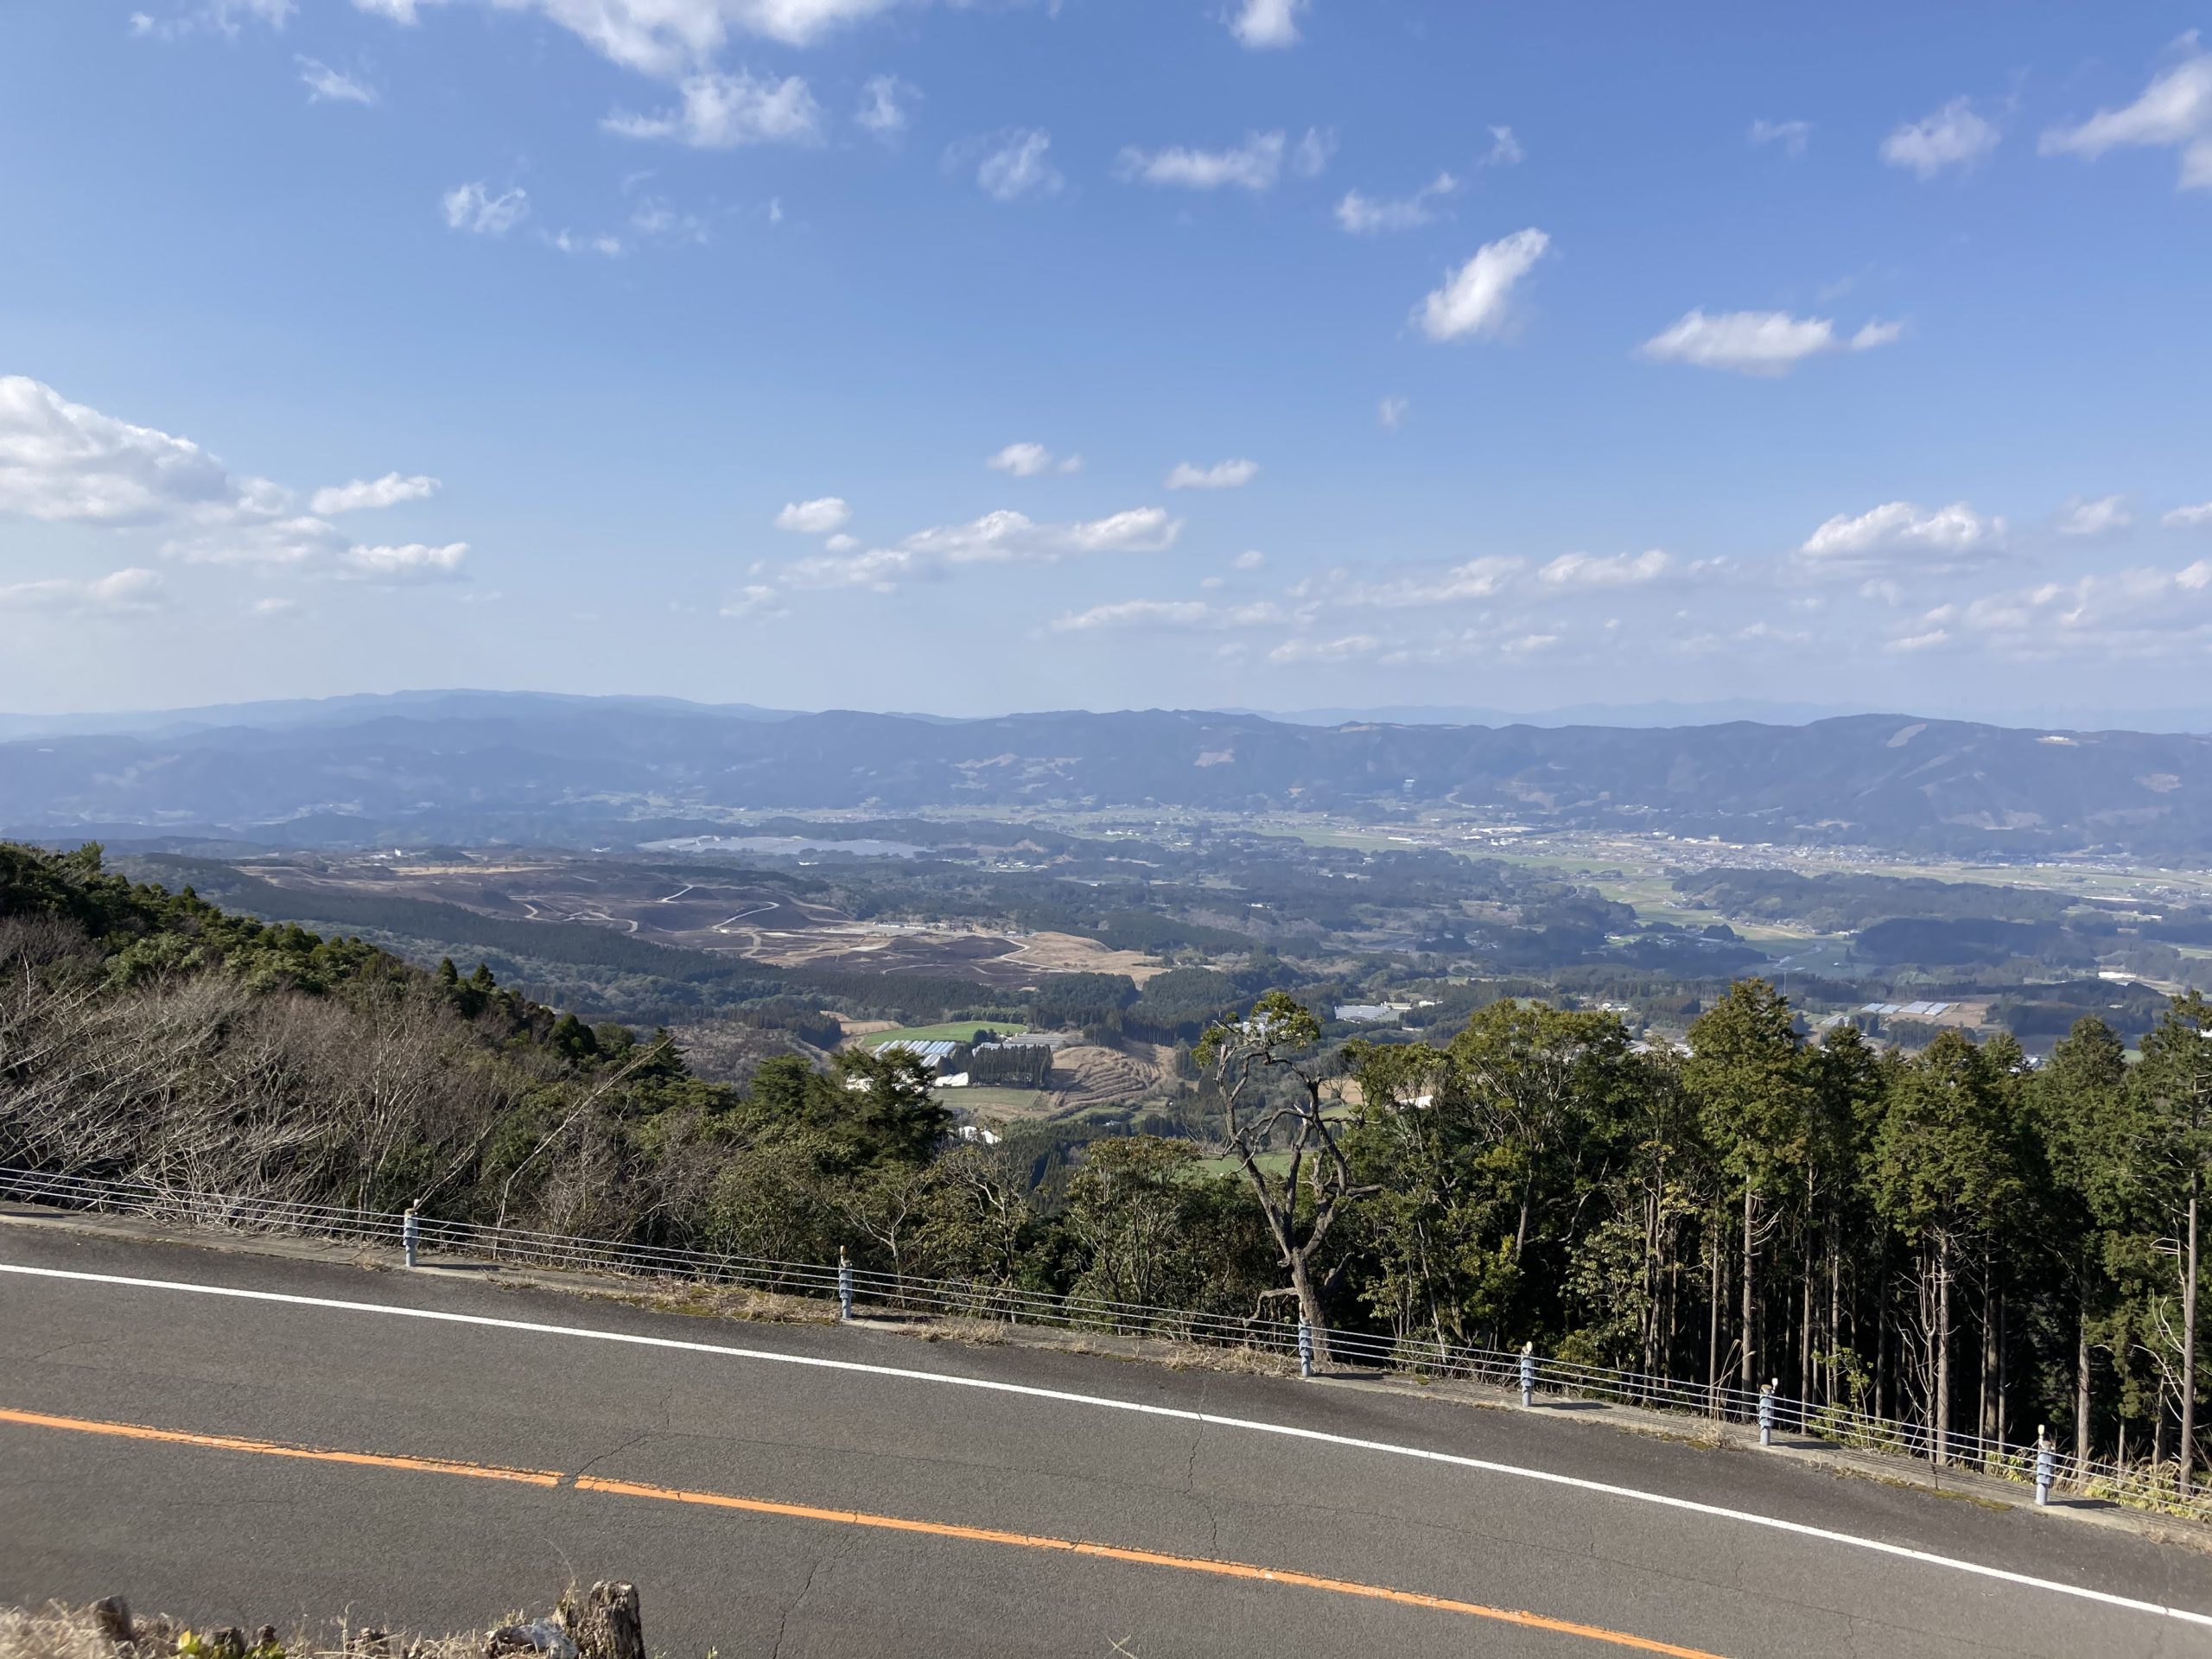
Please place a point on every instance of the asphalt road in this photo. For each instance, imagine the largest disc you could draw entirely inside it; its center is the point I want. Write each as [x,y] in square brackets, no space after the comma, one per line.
[620,1429]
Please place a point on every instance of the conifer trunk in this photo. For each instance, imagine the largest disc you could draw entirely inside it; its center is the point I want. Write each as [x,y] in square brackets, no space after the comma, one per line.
[1751,1346]
[1940,1408]
[2189,1341]
[2081,1386]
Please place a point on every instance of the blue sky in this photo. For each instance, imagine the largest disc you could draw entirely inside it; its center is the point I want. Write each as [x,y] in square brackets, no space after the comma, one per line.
[1329,354]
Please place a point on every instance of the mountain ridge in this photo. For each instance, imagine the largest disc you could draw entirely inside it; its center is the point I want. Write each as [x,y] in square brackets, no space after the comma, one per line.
[502,765]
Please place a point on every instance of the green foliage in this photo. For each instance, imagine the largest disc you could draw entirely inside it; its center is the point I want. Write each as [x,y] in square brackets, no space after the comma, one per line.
[1540,1175]
[1141,1227]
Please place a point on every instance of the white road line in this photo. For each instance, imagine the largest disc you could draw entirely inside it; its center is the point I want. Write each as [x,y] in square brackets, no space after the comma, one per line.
[1211,1419]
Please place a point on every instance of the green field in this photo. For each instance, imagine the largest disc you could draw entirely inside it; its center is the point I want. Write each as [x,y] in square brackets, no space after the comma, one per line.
[985,1102]
[953,1031]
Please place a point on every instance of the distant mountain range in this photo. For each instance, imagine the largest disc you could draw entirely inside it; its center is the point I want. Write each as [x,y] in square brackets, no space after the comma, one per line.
[469,766]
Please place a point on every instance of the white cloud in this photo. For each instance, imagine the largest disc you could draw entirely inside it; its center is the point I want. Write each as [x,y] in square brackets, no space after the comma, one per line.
[363,494]
[563,241]
[1475,298]
[1260,25]
[840,542]
[1250,559]
[1349,648]
[122,593]
[1476,579]
[1257,164]
[1015,166]
[883,569]
[2188,518]
[65,463]
[816,518]
[1031,460]
[669,38]
[1528,643]
[2173,112]
[1311,158]
[1222,475]
[216,16]
[473,208]
[1953,136]
[723,112]
[1758,342]
[253,533]
[1504,148]
[883,106]
[2139,612]
[413,563]
[1171,613]
[1900,534]
[660,219]
[2099,518]
[272,606]
[1926,641]
[1792,136]
[328,86]
[1134,613]
[1367,215]
[1617,570]
[1005,537]
[757,599]
[1002,538]
[1392,412]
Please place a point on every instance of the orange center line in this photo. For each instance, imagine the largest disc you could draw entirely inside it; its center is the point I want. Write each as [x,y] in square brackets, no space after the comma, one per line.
[277,1449]
[881,1522]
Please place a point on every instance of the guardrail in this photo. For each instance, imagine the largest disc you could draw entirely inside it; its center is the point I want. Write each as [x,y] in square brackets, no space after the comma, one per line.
[2154,1487]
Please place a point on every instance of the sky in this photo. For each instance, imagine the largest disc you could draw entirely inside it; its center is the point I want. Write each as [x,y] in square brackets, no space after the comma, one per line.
[989,356]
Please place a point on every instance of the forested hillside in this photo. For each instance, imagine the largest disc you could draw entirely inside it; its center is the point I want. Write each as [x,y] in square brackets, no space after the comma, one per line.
[1954,1236]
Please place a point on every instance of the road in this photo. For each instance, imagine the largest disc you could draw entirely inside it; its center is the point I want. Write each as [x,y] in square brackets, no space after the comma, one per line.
[815,1490]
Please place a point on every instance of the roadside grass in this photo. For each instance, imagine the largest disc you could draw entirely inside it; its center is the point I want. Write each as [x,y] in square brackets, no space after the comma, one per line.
[59,1632]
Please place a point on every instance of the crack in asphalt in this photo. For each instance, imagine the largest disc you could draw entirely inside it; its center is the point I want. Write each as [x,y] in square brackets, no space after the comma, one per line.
[813,1571]
[1190,1484]
[639,1438]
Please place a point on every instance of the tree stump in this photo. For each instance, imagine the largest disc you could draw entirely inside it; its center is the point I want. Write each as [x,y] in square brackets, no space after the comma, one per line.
[605,1622]
[111,1614]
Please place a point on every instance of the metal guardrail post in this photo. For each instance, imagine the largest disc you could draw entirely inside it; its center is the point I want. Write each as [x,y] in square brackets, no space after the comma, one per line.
[844,1287]
[1305,1348]
[2046,1464]
[1528,1374]
[1766,1411]
[411,1231]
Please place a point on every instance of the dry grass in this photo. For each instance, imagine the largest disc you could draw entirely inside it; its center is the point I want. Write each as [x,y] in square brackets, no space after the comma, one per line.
[723,1302]
[714,1302]
[55,1631]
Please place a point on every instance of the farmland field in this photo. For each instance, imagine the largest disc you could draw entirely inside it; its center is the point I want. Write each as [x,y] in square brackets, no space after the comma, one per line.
[952,1031]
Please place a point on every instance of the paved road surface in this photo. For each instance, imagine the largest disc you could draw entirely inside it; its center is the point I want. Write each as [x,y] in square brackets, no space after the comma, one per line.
[629,1436]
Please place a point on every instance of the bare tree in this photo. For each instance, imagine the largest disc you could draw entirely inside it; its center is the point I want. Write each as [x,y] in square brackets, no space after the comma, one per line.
[1275,1098]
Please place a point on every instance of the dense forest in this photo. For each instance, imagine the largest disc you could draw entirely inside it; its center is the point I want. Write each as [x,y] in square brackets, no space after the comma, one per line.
[1954,1235]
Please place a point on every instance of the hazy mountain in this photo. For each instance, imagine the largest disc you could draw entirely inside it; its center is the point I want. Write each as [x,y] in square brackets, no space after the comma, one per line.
[330,711]
[459,766]
[1637,714]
